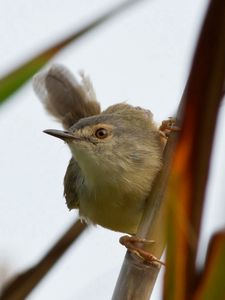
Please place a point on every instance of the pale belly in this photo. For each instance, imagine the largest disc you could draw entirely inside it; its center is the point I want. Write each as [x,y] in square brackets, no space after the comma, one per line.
[112,209]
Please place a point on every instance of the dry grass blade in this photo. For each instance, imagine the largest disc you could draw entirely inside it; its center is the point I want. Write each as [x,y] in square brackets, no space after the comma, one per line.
[192,156]
[24,283]
[17,77]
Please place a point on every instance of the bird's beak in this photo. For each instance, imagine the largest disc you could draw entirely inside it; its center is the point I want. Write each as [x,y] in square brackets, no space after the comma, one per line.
[61,134]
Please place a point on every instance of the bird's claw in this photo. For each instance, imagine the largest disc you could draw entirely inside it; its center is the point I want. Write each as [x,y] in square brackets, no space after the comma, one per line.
[167,127]
[131,243]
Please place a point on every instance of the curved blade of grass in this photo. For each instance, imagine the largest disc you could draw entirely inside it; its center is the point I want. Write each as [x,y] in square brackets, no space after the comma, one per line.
[211,283]
[16,78]
[187,183]
[24,283]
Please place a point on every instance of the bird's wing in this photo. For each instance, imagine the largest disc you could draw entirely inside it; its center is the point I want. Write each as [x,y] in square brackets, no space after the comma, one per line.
[64,96]
[73,180]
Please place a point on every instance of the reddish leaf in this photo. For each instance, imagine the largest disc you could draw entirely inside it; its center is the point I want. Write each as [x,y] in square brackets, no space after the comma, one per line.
[191,159]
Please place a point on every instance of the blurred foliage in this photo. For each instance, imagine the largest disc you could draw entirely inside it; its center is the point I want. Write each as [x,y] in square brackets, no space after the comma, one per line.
[12,81]
[20,286]
[211,280]
[190,167]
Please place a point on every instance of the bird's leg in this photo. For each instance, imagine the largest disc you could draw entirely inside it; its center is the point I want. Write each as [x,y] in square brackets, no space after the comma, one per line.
[131,243]
[167,126]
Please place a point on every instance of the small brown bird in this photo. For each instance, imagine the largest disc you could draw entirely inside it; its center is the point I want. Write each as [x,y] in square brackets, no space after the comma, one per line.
[116,154]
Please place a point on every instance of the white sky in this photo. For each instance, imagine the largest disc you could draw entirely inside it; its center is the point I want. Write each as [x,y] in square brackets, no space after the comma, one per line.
[143,57]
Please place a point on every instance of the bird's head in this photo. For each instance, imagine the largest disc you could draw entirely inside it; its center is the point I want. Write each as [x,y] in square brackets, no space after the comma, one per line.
[118,139]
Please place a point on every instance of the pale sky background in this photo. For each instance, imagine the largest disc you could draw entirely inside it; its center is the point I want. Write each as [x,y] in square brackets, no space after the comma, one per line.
[142,57]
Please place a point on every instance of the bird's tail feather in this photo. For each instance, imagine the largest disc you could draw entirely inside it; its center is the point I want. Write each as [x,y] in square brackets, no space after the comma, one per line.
[64,97]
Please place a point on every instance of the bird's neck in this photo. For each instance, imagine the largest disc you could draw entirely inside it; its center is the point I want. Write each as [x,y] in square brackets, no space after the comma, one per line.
[94,172]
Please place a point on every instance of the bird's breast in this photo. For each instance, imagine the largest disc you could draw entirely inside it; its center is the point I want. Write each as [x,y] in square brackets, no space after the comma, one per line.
[111,207]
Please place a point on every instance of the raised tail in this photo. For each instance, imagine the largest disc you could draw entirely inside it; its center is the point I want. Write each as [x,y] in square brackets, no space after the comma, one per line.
[64,97]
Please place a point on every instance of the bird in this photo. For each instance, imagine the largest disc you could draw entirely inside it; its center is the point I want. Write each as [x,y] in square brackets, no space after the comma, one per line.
[116,153]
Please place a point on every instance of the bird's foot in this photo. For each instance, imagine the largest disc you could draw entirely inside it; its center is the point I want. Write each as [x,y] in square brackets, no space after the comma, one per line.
[167,127]
[132,244]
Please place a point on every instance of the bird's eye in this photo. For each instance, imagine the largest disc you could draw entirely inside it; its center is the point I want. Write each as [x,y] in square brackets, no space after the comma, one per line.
[101,133]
